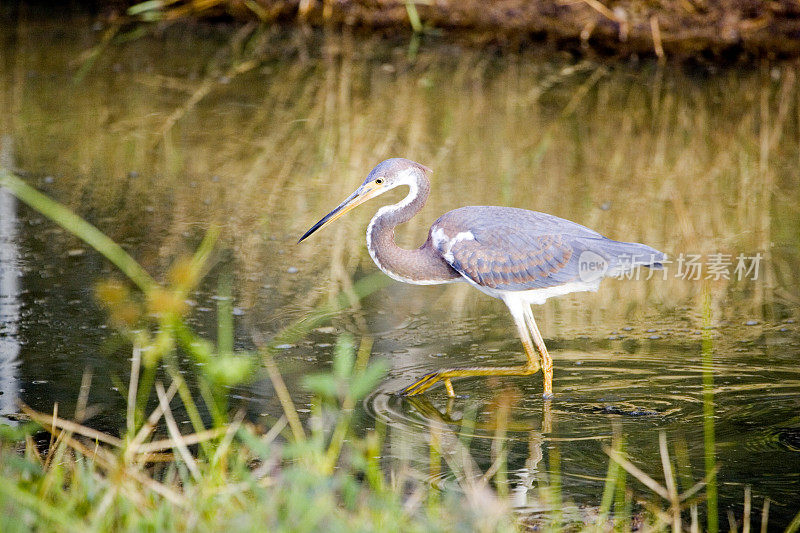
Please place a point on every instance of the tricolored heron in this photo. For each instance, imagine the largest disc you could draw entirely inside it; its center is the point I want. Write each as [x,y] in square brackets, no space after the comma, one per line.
[521,257]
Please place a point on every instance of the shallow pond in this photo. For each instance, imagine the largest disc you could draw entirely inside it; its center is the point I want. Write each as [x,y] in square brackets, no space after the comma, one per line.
[155,136]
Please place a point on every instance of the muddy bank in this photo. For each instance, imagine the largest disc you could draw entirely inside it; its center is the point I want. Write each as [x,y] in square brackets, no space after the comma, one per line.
[684,28]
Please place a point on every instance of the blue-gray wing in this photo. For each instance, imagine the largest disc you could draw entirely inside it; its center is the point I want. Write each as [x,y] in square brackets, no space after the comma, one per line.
[515,249]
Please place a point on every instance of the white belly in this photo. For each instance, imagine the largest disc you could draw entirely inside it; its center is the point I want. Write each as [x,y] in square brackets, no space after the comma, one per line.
[538,296]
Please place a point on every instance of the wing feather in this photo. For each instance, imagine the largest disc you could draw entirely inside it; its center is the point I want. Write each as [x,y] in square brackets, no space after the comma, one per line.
[515,249]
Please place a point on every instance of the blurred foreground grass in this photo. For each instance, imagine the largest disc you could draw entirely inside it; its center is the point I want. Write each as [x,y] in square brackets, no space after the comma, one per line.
[229,474]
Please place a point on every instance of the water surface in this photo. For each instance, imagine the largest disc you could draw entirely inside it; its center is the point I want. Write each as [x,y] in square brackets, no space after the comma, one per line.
[264,131]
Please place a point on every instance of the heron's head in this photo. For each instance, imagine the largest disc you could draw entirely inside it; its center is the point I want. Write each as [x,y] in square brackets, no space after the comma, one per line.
[384,177]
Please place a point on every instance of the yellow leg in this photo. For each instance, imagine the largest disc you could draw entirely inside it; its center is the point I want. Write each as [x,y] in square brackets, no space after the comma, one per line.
[526,326]
[449,386]
[547,361]
[447,374]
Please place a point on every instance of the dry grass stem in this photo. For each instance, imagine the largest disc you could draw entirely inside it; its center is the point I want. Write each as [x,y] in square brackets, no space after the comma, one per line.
[51,422]
[746,512]
[150,424]
[672,489]
[284,397]
[177,439]
[194,438]
[81,411]
[765,515]
[133,387]
[633,470]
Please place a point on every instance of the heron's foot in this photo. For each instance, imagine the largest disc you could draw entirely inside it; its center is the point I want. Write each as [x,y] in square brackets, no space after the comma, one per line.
[426,382]
[429,380]
[548,395]
[449,386]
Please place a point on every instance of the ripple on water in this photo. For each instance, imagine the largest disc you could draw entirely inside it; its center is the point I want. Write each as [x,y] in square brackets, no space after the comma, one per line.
[642,393]
[789,438]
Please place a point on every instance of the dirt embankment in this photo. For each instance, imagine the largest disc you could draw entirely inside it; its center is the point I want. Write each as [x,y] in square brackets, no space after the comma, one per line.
[661,27]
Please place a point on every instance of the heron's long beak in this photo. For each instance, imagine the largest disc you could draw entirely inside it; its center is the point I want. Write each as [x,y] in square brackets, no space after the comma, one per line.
[354,200]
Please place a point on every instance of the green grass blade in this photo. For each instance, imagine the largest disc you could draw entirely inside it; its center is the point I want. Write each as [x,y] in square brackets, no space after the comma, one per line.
[40,507]
[225,315]
[794,525]
[609,488]
[413,17]
[300,328]
[74,224]
[708,419]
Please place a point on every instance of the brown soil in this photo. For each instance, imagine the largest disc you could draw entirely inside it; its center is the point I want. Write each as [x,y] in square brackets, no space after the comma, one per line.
[661,27]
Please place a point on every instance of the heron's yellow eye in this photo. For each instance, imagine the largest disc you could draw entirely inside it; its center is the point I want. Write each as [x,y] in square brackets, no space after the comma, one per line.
[379,181]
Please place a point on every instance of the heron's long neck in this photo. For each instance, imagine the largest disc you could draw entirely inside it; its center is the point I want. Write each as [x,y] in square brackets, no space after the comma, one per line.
[422,266]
